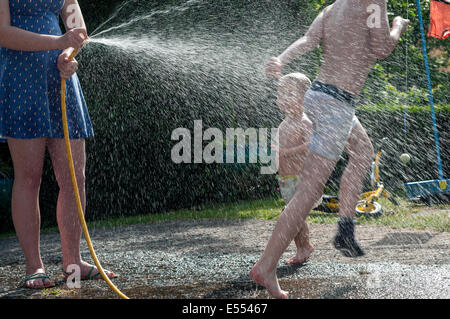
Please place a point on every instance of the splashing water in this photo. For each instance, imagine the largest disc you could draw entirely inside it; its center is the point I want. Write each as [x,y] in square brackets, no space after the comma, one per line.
[221,49]
[203,59]
[161,35]
[147,17]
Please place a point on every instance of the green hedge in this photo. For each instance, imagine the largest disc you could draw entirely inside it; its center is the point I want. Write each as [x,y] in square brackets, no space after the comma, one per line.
[418,141]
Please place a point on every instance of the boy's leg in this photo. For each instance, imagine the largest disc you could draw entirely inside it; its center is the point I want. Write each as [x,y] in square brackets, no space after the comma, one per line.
[317,170]
[303,245]
[360,151]
[288,186]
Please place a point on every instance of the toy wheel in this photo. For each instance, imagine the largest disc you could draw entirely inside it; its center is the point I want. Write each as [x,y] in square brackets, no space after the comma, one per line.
[371,209]
[329,204]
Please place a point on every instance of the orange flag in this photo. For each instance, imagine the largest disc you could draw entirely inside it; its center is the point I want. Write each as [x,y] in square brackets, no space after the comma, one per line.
[439,19]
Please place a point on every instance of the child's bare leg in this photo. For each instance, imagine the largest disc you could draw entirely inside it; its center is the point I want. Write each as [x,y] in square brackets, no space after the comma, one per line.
[360,152]
[316,172]
[304,246]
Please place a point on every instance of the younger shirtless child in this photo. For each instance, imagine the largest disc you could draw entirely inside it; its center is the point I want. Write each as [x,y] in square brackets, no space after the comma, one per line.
[294,135]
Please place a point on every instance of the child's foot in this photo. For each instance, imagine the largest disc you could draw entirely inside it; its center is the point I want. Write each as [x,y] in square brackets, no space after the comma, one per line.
[345,240]
[302,255]
[268,280]
[37,279]
[348,246]
[89,272]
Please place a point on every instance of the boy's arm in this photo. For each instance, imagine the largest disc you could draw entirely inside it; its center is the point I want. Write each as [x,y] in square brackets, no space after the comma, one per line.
[303,148]
[308,42]
[383,40]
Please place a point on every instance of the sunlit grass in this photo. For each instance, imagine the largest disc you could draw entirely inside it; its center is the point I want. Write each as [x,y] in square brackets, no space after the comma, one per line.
[52,293]
[401,108]
[258,209]
[410,215]
[406,215]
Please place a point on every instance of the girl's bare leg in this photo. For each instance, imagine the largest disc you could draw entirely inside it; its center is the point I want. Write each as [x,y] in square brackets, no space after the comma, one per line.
[67,212]
[28,160]
[316,171]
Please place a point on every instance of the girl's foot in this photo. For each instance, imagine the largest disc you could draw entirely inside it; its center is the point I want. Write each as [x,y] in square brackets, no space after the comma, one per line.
[89,272]
[37,279]
[302,255]
[268,280]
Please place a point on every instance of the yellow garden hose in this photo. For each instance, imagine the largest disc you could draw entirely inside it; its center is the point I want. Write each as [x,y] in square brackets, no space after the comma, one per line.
[75,187]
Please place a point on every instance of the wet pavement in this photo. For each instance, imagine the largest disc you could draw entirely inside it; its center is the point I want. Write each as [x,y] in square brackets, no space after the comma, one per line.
[212,258]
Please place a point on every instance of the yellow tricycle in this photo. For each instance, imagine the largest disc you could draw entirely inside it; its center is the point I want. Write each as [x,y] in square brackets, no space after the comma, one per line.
[368,204]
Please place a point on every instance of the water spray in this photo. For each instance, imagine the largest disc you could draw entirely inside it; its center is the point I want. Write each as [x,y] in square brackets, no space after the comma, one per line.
[75,187]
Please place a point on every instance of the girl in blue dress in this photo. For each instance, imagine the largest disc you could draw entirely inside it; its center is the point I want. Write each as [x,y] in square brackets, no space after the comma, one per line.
[33,58]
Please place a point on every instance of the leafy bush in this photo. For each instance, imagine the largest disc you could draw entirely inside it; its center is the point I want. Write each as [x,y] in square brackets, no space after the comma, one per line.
[418,141]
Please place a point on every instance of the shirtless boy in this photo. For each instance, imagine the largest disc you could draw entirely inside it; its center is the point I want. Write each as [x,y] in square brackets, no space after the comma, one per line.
[351,46]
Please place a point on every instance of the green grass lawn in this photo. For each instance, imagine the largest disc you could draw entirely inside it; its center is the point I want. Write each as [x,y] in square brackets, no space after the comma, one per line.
[406,215]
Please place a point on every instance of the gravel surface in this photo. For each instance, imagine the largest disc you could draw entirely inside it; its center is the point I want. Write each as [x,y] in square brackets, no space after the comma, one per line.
[211,259]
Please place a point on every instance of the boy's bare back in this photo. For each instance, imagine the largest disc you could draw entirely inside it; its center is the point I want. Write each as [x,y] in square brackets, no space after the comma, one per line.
[351,45]
[347,53]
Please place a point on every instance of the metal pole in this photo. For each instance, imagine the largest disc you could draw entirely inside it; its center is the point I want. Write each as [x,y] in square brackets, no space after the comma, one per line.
[430,91]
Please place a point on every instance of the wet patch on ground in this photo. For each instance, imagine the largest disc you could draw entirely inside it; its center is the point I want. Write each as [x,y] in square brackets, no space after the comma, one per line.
[211,259]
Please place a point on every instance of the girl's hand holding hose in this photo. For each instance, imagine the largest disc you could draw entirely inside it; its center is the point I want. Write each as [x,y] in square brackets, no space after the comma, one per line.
[73,38]
[67,67]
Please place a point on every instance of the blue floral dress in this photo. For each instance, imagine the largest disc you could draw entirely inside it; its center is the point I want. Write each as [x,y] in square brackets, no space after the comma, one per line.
[30,101]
